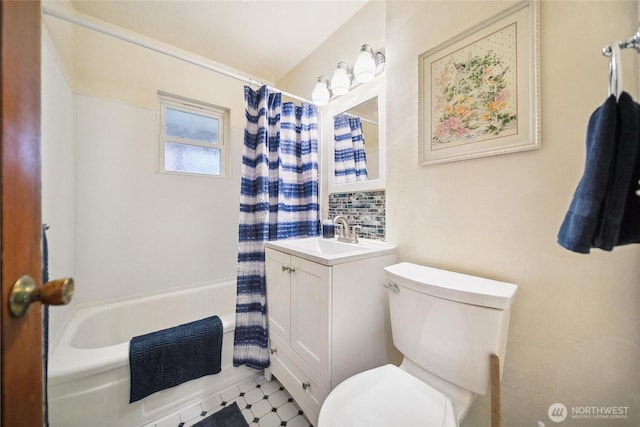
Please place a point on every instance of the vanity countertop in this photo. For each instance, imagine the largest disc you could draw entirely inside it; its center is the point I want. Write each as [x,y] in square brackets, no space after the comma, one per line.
[331,251]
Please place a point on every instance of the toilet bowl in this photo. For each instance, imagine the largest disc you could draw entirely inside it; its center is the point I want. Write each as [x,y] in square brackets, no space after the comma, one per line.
[446,325]
[384,397]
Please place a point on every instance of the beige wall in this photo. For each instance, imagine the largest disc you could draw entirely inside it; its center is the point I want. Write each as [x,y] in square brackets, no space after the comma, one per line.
[59,37]
[108,68]
[575,324]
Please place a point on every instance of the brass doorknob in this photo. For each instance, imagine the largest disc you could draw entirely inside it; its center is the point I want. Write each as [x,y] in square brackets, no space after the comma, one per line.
[25,291]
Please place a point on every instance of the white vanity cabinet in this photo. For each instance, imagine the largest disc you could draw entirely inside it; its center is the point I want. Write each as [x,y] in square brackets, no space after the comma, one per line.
[326,322]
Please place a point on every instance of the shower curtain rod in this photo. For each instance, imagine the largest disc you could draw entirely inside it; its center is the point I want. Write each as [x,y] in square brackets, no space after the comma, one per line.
[362,119]
[154,45]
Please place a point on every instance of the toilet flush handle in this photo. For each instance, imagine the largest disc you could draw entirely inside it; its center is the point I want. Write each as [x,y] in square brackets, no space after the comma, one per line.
[392,286]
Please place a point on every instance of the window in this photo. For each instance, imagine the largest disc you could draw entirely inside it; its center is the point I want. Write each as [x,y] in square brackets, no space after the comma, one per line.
[192,137]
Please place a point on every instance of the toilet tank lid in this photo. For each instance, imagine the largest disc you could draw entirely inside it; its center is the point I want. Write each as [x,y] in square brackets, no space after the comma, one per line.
[453,286]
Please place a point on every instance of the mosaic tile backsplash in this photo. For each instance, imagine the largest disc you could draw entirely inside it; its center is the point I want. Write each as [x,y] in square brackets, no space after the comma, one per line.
[364,208]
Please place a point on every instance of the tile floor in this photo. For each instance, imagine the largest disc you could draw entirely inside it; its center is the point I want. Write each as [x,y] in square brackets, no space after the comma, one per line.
[263,404]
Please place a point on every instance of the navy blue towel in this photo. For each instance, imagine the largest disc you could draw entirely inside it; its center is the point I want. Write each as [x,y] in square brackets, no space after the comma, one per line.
[581,221]
[630,226]
[172,356]
[624,165]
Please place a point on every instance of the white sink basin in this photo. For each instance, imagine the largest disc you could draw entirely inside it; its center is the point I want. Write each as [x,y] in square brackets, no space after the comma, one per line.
[331,251]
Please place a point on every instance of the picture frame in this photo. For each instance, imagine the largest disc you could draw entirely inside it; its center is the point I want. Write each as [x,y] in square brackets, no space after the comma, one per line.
[479,92]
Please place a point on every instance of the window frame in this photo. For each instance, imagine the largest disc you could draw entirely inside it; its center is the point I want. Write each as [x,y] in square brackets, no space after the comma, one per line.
[179,103]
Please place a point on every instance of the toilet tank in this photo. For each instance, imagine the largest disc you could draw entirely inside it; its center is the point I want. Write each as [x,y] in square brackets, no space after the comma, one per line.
[449,323]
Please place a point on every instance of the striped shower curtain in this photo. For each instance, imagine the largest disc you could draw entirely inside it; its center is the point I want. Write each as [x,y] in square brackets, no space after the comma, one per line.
[350,162]
[278,200]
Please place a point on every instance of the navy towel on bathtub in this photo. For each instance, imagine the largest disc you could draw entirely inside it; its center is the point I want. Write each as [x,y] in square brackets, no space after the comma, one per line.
[172,356]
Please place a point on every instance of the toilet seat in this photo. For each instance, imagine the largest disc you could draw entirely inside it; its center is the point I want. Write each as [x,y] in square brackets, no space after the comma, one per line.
[383,397]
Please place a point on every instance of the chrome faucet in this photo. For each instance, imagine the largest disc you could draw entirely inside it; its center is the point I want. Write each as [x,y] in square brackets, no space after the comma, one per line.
[346,233]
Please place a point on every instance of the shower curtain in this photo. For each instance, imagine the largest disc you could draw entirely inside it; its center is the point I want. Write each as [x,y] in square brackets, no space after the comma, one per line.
[350,162]
[278,200]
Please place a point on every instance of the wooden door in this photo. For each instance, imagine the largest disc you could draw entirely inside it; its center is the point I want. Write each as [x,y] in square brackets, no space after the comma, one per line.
[20,230]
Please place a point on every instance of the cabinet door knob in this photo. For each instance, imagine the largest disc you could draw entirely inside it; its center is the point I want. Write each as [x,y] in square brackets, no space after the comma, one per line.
[306,385]
[274,350]
[288,269]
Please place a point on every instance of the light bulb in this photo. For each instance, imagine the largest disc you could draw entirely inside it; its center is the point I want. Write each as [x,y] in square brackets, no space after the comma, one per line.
[321,95]
[365,68]
[340,82]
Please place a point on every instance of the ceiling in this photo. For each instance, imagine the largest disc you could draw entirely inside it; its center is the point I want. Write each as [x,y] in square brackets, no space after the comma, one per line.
[265,39]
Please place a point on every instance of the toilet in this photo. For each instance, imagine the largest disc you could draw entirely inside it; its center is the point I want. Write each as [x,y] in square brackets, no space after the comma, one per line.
[446,325]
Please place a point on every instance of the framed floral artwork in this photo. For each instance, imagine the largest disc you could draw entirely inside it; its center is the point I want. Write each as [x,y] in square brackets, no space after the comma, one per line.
[479,92]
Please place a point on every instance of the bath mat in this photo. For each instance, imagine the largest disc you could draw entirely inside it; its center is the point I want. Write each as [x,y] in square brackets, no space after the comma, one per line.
[229,416]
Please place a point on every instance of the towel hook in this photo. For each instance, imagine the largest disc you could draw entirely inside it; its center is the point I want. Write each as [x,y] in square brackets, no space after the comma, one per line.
[613,51]
[632,42]
[615,71]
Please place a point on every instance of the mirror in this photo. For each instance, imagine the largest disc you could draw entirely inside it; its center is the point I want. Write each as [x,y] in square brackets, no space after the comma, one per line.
[355,136]
[354,133]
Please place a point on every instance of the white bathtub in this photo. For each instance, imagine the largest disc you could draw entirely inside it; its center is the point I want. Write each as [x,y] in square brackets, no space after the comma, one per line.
[89,366]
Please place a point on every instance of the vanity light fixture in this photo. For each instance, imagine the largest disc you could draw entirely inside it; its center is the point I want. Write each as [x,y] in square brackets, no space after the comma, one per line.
[321,95]
[341,80]
[368,65]
[380,60]
[365,68]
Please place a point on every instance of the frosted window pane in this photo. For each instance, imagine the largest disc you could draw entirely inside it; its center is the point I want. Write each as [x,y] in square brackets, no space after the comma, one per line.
[191,158]
[182,124]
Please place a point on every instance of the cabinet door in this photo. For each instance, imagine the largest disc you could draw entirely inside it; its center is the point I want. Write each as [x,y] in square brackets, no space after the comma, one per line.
[310,313]
[278,293]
